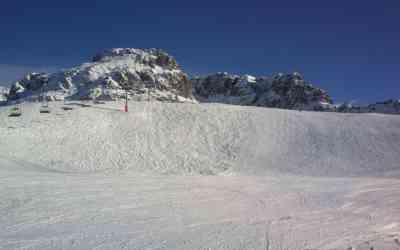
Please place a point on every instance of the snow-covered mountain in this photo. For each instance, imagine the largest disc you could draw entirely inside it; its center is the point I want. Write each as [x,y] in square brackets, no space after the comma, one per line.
[390,106]
[289,91]
[154,74]
[3,93]
[143,72]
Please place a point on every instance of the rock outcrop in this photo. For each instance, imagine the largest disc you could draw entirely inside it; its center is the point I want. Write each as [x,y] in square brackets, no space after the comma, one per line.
[289,91]
[144,73]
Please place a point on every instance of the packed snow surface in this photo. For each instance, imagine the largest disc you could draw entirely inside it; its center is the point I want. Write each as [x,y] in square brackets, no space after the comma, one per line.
[167,138]
[197,176]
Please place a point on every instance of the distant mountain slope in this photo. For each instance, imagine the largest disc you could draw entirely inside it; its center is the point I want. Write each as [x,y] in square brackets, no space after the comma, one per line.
[205,139]
[386,107]
[288,91]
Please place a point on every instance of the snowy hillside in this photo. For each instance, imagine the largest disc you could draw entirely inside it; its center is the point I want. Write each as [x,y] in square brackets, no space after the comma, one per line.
[252,186]
[206,139]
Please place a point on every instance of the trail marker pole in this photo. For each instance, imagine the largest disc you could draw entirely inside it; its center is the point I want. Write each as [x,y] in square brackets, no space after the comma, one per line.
[126,101]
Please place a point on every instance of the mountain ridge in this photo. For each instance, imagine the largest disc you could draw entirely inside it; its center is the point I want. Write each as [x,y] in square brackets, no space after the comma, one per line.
[152,73]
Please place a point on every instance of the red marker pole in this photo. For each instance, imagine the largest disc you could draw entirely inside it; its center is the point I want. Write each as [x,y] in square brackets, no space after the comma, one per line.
[126,101]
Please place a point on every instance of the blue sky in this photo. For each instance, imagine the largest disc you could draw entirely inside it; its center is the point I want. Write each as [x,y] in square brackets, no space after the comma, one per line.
[350,48]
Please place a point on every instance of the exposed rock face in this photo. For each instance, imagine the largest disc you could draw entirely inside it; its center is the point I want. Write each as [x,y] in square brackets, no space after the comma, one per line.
[143,72]
[144,56]
[288,91]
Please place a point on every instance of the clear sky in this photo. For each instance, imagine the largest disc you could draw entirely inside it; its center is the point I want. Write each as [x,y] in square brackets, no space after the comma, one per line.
[350,48]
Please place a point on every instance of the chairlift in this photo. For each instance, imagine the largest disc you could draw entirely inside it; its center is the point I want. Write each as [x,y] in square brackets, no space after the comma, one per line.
[96,93]
[44,109]
[15,112]
[66,106]
[99,102]
[85,105]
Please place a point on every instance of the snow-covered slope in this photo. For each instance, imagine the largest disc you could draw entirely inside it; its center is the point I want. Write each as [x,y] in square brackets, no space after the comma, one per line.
[205,139]
[49,201]
[144,72]
[43,210]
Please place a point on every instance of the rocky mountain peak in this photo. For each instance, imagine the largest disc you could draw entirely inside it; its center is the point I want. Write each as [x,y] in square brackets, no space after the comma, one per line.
[154,74]
[288,91]
[141,72]
[145,56]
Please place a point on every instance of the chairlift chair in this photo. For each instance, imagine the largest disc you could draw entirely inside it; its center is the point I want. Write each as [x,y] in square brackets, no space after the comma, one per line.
[85,105]
[15,112]
[44,109]
[99,102]
[66,107]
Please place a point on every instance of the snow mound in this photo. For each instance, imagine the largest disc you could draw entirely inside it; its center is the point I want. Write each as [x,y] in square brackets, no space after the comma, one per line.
[207,139]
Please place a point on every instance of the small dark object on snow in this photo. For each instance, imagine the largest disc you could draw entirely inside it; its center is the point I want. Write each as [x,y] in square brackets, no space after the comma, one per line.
[67,108]
[15,112]
[44,110]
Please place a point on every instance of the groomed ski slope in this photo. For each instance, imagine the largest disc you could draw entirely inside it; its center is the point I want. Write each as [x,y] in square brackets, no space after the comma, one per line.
[98,178]
[211,139]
